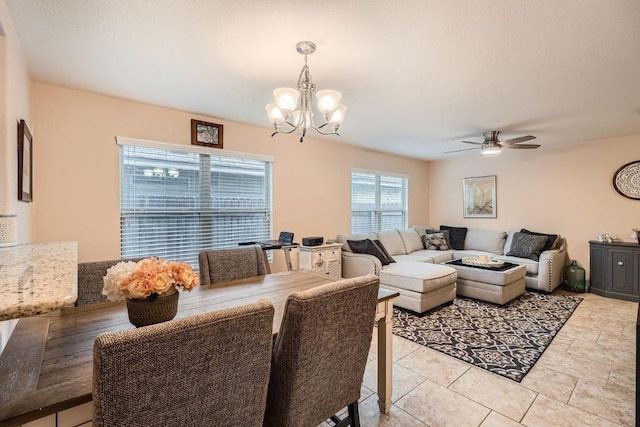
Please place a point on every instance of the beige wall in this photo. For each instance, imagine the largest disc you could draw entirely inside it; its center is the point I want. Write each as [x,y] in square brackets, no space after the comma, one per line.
[14,105]
[76,162]
[559,190]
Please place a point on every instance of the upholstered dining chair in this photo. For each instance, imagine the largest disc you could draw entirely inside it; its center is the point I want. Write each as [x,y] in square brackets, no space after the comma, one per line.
[90,281]
[210,369]
[222,265]
[320,354]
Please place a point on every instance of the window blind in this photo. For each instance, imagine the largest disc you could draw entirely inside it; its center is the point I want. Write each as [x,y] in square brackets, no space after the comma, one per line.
[176,203]
[378,202]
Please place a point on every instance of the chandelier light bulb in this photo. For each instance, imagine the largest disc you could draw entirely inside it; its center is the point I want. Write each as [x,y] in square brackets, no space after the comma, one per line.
[286,99]
[328,101]
[274,114]
[338,115]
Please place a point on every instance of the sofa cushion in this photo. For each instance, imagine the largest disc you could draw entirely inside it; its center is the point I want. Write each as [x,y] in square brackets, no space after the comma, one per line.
[342,238]
[485,240]
[411,240]
[392,241]
[384,250]
[456,235]
[526,246]
[507,243]
[551,238]
[422,229]
[435,242]
[417,276]
[367,246]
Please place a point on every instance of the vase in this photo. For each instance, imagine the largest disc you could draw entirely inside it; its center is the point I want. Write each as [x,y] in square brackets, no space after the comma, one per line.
[574,278]
[144,312]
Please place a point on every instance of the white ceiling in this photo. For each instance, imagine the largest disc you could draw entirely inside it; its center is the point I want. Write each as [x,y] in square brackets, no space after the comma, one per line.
[417,76]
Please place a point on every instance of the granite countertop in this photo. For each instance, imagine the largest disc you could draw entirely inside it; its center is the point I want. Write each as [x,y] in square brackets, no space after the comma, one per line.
[37,278]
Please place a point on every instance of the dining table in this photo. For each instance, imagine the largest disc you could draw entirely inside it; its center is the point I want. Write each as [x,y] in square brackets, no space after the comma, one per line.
[64,367]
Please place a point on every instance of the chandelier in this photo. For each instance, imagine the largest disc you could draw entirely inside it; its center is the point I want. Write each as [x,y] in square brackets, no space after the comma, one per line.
[285,110]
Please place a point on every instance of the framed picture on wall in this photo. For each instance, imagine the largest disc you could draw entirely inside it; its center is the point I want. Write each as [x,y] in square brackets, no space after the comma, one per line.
[25,163]
[206,134]
[479,197]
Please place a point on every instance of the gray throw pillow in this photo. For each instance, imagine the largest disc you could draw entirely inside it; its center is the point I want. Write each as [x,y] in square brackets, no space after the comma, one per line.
[446,236]
[527,246]
[551,238]
[435,242]
[368,247]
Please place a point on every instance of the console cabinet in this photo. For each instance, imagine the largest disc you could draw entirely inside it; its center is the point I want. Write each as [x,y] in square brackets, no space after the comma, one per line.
[615,270]
[326,259]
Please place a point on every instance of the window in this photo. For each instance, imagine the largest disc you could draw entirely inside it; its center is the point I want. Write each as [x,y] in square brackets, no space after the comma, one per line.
[378,201]
[175,203]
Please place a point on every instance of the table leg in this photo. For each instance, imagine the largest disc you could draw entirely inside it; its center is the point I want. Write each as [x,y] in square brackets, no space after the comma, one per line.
[267,266]
[385,358]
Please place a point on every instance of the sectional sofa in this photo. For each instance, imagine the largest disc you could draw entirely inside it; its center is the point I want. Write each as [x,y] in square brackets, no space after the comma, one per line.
[406,247]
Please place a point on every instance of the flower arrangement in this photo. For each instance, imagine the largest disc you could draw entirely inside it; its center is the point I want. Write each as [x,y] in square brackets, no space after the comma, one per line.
[147,279]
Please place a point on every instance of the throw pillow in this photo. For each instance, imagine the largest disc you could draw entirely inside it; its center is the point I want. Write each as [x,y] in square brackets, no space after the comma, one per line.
[456,236]
[367,246]
[527,246]
[384,251]
[551,238]
[446,236]
[435,242]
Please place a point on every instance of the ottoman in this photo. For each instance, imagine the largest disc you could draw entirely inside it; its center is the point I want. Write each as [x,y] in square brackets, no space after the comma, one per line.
[498,287]
[422,286]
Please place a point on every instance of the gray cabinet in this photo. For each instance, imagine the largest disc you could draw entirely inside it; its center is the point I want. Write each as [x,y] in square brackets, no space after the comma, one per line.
[615,270]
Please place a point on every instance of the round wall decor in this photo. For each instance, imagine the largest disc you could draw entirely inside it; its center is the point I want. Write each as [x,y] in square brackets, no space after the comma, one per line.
[626,180]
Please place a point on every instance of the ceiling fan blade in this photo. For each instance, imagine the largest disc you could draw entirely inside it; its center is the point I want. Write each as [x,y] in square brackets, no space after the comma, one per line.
[530,146]
[472,142]
[517,140]
[464,149]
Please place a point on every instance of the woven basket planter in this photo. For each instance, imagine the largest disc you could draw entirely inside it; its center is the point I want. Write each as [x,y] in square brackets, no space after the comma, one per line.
[146,312]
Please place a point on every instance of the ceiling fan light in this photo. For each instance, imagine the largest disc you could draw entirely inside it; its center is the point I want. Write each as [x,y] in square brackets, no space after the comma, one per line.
[286,99]
[491,150]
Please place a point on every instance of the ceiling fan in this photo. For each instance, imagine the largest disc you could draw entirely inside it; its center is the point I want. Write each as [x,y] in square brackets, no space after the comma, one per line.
[491,145]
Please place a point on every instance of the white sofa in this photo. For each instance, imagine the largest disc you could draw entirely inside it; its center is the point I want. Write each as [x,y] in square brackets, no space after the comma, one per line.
[406,246]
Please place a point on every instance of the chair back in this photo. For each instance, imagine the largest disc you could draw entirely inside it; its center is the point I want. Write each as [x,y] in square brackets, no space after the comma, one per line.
[90,281]
[320,353]
[210,369]
[223,265]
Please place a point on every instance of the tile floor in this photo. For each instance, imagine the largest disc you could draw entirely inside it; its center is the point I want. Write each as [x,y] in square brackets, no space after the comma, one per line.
[586,377]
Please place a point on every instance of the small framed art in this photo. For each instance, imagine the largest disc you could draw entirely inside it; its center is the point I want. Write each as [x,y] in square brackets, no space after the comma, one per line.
[206,134]
[480,197]
[25,163]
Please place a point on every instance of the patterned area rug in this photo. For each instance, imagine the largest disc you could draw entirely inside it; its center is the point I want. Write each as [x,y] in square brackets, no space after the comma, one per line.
[506,340]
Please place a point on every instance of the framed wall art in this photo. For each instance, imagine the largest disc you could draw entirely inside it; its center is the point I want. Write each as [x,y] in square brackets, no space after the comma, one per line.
[206,134]
[479,197]
[626,180]
[25,163]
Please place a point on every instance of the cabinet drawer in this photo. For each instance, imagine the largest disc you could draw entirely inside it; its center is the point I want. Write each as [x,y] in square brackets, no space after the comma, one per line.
[333,254]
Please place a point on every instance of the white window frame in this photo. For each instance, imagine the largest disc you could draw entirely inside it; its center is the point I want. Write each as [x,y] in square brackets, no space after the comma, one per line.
[378,211]
[204,232]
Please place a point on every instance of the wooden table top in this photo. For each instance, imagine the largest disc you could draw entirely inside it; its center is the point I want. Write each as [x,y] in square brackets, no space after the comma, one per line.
[66,373]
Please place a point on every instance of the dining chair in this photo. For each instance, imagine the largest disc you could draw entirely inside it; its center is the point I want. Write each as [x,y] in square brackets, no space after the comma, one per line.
[320,354]
[210,369]
[222,265]
[90,281]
